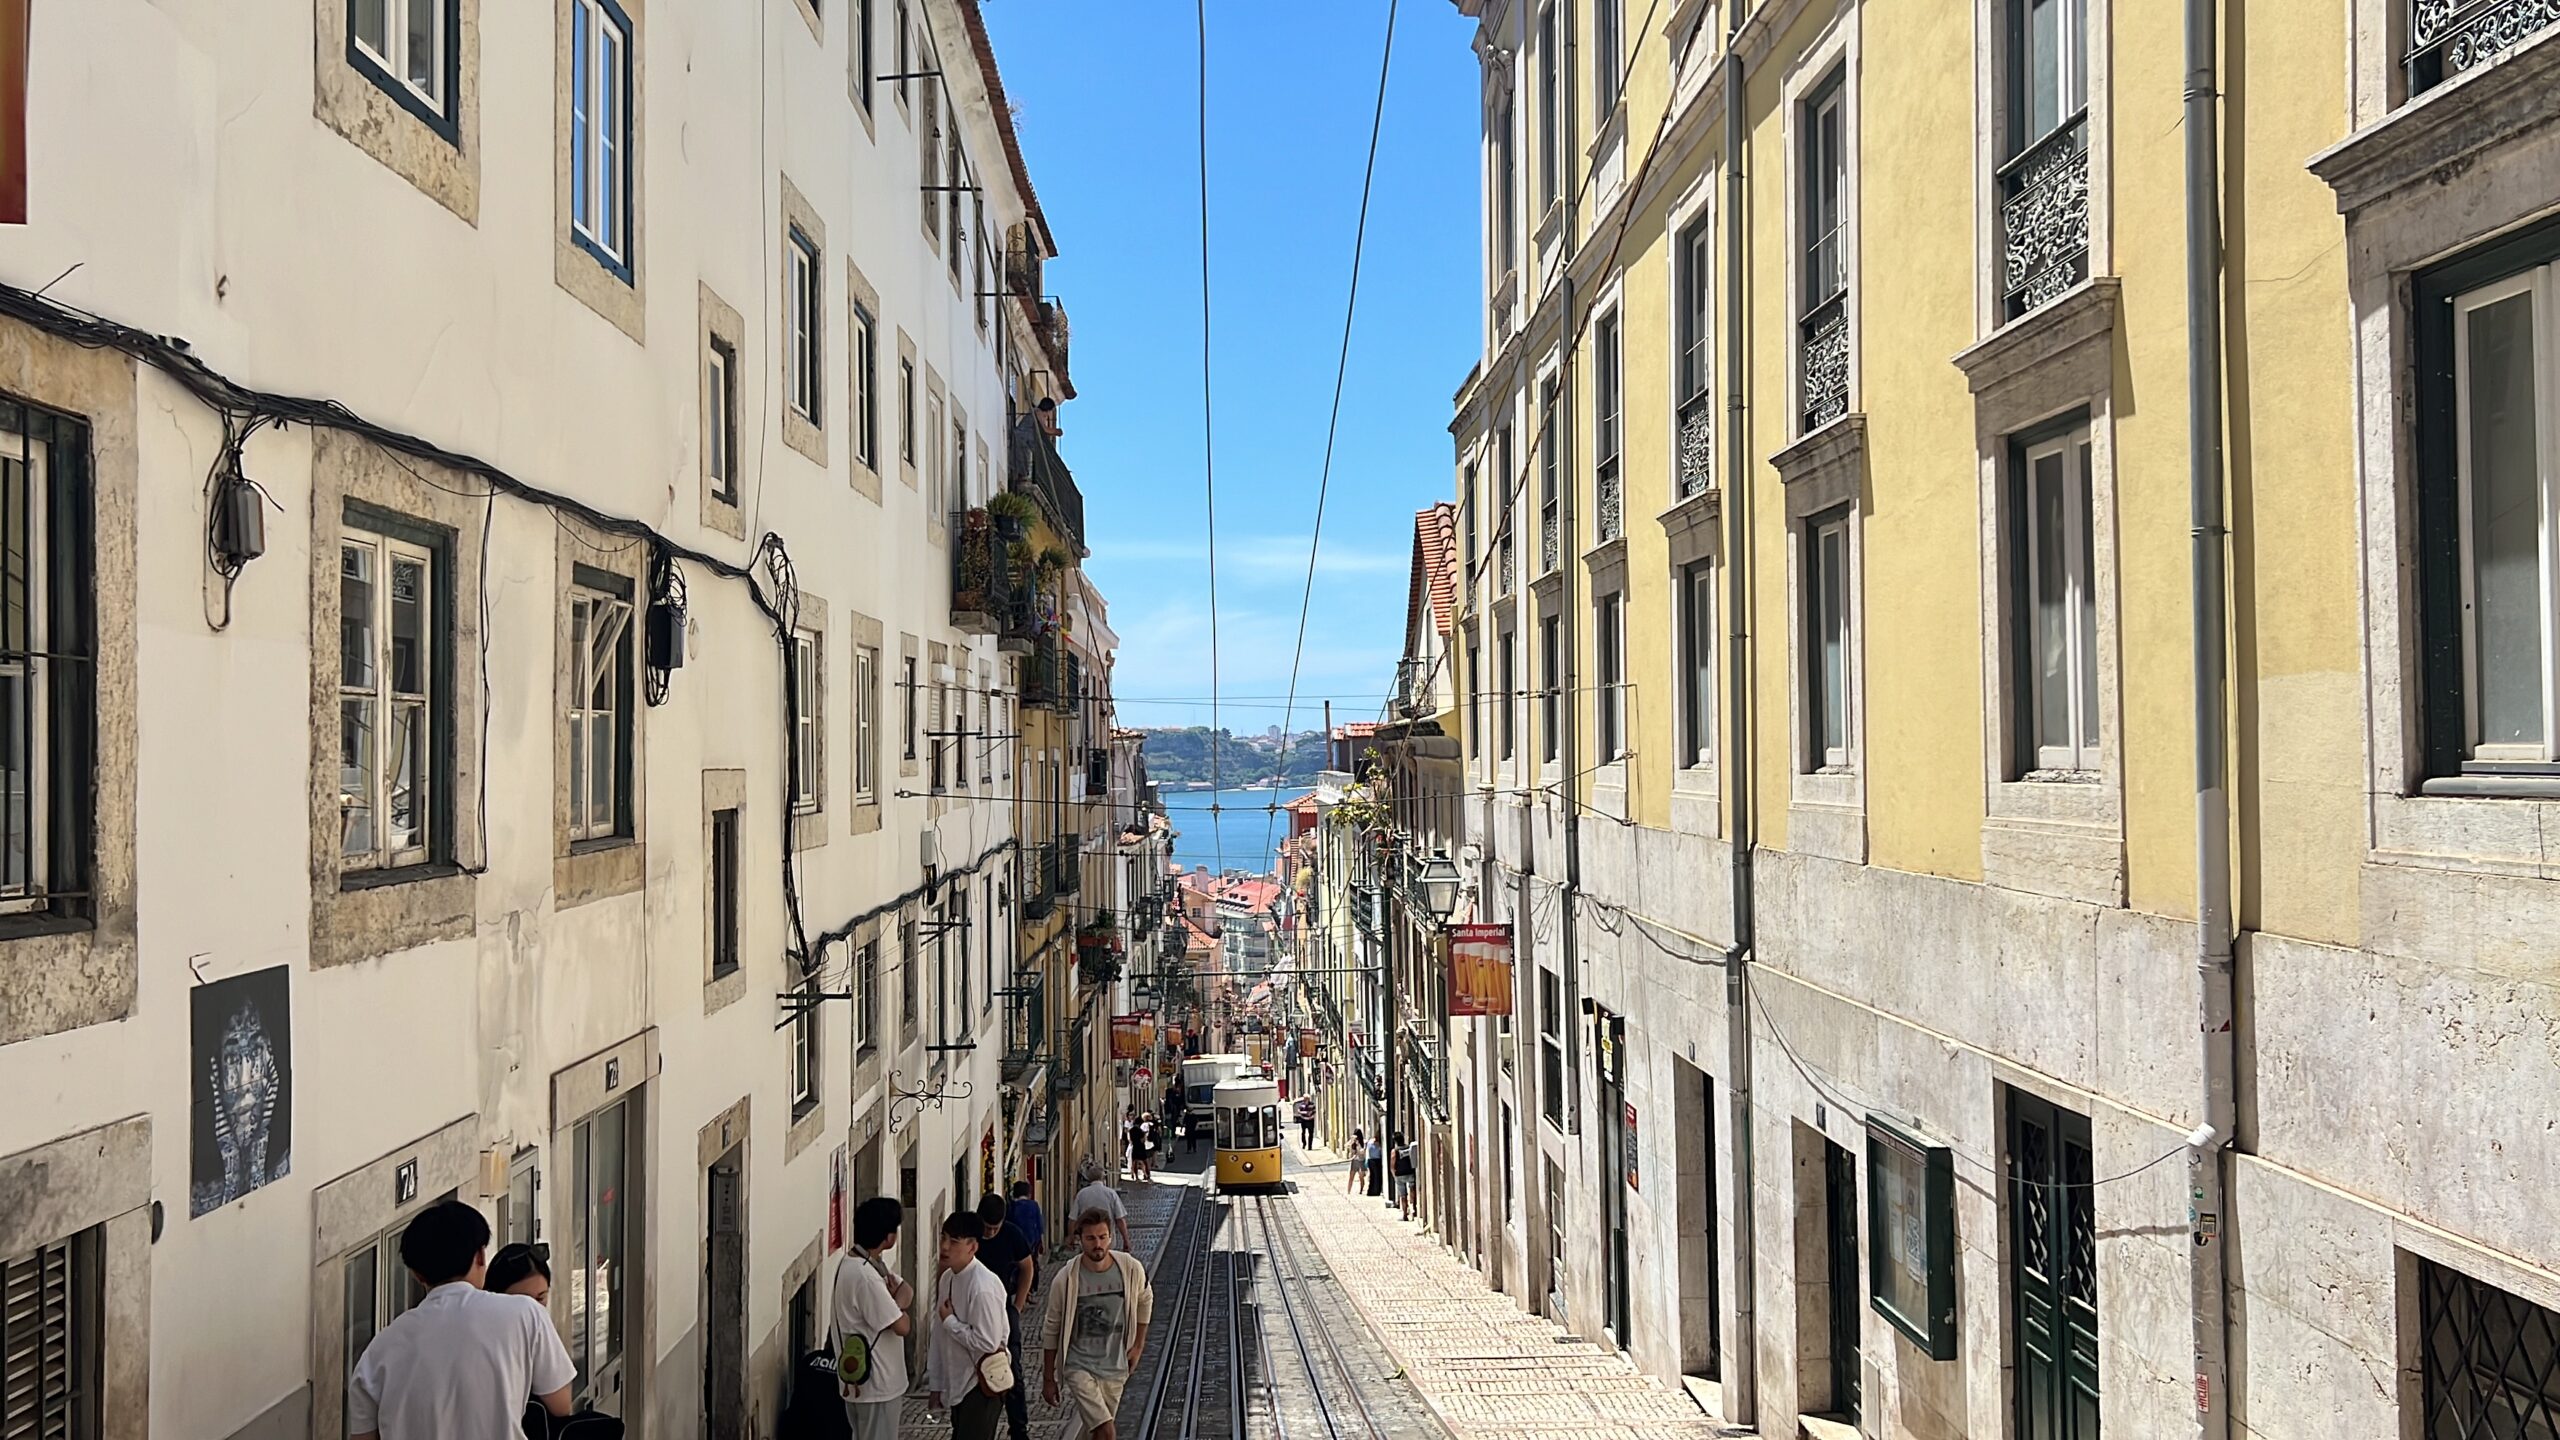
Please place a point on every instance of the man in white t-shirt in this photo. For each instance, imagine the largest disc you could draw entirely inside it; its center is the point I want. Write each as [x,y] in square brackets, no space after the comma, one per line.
[1097,1194]
[462,1362]
[871,1301]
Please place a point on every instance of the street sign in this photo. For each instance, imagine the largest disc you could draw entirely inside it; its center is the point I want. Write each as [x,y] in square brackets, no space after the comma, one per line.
[1143,1076]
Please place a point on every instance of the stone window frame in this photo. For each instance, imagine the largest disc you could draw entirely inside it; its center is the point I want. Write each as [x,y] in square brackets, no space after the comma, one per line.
[806,1119]
[867,635]
[934,456]
[1503,770]
[96,1180]
[809,827]
[1836,52]
[2063,839]
[723,325]
[724,790]
[1825,475]
[800,220]
[862,33]
[584,871]
[817,25]
[862,310]
[621,299]
[1694,208]
[350,1212]
[625,1070]
[440,156]
[2419,182]
[865,1039]
[1695,535]
[369,914]
[58,975]
[1991,127]
[910,381]
[910,708]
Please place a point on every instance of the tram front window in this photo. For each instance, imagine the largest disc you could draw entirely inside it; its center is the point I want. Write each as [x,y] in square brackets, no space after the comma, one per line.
[1270,1126]
[1226,1129]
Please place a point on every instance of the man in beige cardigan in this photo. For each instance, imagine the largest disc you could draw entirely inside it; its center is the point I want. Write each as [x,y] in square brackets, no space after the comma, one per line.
[1096,1318]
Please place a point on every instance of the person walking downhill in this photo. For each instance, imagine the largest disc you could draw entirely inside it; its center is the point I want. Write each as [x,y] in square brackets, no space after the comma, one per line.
[462,1362]
[870,1322]
[967,1364]
[1400,1164]
[1359,1162]
[1094,1327]
[1377,1169]
[1008,1256]
[1306,1122]
[1097,1194]
[1147,1147]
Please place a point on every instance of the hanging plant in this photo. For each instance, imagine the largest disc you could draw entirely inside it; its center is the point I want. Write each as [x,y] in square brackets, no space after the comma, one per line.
[1013,512]
[1052,560]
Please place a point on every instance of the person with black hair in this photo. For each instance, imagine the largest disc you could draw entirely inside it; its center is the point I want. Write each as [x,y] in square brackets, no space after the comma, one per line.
[1027,1217]
[521,1269]
[870,1306]
[968,1364]
[461,1363]
[1008,1256]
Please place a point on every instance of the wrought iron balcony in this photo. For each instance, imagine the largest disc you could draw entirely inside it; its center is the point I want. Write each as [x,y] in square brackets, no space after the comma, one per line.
[982,582]
[1066,865]
[1043,675]
[1611,487]
[1549,538]
[1509,580]
[1026,1023]
[1097,770]
[2044,218]
[2448,38]
[1697,445]
[1034,469]
[1823,363]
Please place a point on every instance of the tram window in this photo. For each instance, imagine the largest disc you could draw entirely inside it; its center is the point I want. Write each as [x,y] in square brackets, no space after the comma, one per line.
[1270,1126]
[1226,1129]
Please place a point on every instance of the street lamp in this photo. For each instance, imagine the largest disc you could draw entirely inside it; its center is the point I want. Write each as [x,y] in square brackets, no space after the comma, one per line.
[1438,881]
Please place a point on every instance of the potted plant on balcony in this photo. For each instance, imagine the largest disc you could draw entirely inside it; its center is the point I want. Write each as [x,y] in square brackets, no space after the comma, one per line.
[969,585]
[1013,513]
[1052,561]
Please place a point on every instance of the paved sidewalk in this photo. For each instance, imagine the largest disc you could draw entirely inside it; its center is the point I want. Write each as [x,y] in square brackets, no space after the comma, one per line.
[1488,1369]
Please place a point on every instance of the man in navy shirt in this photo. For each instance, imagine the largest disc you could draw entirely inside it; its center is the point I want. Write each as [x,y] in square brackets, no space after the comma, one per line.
[1008,1252]
[1027,1218]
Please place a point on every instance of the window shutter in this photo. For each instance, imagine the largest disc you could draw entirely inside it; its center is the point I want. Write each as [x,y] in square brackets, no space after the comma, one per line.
[35,1345]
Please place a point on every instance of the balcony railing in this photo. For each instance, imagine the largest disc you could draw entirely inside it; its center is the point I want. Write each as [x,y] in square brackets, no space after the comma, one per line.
[1033,467]
[1611,488]
[1097,770]
[982,582]
[2044,218]
[1066,863]
[1823,363]
[1697,445]
[1026,1023]
[2450,37]
[1550,537]
[1509,580]
[1043,677]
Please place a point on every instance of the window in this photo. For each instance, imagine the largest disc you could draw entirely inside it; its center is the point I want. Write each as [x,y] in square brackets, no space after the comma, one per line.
[866,998]
[405,47]
[929,162]
[1606,25]
[905,48]
[1823,362]
[909,959]
[968,988]
[378,1288]
[937,738]
[1550,689]
[2044,179]
[1474,709]
[955,175]
[1694,451]
[958,496]
[48,715]
[1697,664]
[1608,484]
[1829,736]
[1506,190]
[866,724]
[51,1351]
[393,730]
[1509,693]
[939,923]
[865,360]
[599,706]
[907,411]
[1550,449]
[1551,1044]
[1911,1236]
[807,294]
[724,892]
[808,723]
[806,1333]
[720,412]
[2057,623]
[935,478]
[2490,1361]
[2489,511]
[990,727]
[978,210]
[863,64]
[1550,100]
[601,1248]
[1505,483]
[908,698]
[1467,530]
[600,131]
[805,1037]
[1509,1125]
[1610,703]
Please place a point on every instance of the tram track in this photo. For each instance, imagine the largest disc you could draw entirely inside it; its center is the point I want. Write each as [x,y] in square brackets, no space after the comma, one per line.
[1306,1320]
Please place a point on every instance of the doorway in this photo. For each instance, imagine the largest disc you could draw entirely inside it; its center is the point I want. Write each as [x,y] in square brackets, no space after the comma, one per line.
[1828,1297]
[1840,1229]
[1697,1218]
[2053,1270]
[724,1290]
[1614,1155]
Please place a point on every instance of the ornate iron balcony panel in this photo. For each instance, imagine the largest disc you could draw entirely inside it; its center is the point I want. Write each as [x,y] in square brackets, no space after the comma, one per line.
[2044,218]
[1612,504]
[1697,446]
[1506,565]
[2450,37]
[1825,362]
[1547,539]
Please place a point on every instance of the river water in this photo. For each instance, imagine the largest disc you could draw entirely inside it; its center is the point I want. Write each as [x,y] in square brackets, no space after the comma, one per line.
[1241,833]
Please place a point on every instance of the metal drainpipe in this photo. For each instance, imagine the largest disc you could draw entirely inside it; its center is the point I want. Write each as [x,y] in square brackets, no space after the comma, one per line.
[1568,708]
[1742,1396]
[2207,1154]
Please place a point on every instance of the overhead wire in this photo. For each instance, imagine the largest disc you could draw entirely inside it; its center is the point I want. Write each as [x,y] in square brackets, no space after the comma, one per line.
[1209,429]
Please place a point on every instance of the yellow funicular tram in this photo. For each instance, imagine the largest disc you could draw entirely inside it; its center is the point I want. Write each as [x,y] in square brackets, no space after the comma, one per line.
[1248,1134]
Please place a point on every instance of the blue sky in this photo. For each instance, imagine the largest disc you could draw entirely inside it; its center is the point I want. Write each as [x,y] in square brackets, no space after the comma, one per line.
[1105,95]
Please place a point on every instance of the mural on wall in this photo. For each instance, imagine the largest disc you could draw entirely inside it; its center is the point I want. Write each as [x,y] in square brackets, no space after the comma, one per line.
[243,1086]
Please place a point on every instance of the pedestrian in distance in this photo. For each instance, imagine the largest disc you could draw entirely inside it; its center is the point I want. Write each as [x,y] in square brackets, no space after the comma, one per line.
[1306,1122]
[1377,1164]
[1147,1135]
[1094,1328]
[1400,1164]
[1027,1218]
[1097,1194]
[967,1364]
[869,1320]
[462,1362]
[1009,1257]
[1359,1161]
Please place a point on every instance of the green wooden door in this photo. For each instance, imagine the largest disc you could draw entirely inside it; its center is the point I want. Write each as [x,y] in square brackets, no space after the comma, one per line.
[2053,1270]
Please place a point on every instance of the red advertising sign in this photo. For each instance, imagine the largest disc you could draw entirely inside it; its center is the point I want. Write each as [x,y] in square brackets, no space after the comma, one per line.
[1126,1042]
[1308,1040]
[1479,970]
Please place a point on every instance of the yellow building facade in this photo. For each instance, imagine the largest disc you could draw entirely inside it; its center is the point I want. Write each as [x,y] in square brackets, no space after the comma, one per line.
[1886,414]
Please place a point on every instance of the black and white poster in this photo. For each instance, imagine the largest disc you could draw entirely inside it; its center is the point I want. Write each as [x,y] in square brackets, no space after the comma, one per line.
[243,1086]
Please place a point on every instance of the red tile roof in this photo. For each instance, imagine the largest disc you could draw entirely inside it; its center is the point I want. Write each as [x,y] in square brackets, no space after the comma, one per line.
[1435,560]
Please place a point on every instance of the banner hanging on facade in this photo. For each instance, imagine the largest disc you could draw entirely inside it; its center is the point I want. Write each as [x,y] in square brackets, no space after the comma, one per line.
[1479,970]
[1308,1040]
[1126,1043]
[13,110]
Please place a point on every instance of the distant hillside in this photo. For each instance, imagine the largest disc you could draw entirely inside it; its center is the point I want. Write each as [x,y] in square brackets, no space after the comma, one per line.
[1179,755]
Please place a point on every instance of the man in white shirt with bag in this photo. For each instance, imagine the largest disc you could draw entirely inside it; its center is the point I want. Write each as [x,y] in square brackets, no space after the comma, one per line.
[969,1364]
[870,1307]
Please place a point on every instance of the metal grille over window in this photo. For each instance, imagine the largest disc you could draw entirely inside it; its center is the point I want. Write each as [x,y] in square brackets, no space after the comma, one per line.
[1826,363]
[2044,218]
[36,1364]
[2490,1360]
[1697,446]
[2450,37]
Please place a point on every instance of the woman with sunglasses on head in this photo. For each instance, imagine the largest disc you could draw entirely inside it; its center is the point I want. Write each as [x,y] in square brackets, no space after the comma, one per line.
[522,1269]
